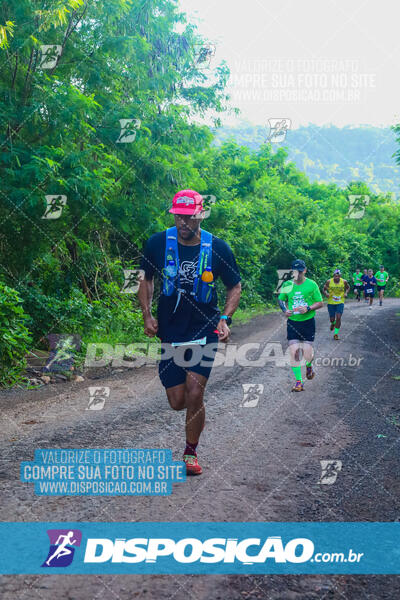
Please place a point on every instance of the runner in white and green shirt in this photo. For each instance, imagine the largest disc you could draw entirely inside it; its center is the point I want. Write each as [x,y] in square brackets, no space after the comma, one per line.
[303,298]
[382,277]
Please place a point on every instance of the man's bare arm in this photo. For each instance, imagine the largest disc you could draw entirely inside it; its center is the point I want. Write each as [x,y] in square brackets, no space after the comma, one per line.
[303,309]
[317,305]
[232,299]
[231,303]
[145,297]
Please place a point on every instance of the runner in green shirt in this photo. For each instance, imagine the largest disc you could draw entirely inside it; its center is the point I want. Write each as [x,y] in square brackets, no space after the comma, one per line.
[382,277]
[303,298]
[357,283]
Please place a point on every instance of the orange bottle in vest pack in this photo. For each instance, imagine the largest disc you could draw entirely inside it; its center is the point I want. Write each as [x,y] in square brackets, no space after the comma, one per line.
[207,275]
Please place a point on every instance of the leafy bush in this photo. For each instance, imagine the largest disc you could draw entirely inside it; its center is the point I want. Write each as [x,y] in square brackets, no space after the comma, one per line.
[14,336]
[57,314]
[113,319]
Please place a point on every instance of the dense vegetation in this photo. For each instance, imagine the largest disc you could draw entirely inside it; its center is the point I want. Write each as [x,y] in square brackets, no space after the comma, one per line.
[60,130]
[331,154]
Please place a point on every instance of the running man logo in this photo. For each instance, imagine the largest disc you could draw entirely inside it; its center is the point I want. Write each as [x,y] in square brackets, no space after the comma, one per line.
[63,348]
[97,397]
[208,202]
[49,56]
[133,277]
[278,129]
[284,275]
[203,53]
[251,394]
[62,547]
[55,205]
[128,131]
[357,206]
[329,471]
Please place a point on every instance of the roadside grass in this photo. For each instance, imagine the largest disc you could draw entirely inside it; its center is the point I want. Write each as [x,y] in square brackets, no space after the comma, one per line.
[244,315]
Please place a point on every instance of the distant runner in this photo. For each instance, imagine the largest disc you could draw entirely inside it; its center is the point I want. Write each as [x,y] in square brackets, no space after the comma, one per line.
[336,290]
[188,260]
[382,277]
[370,286]
[357,284]
[364,279]
[303,298]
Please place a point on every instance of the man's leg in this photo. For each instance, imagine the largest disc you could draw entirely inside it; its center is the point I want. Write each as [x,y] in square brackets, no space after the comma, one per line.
[195,417]
[173,378]
[332,316]
[338,322]
[294,350]
[189,395]
[195,410]
[195,384]
[308,353]
[176,396]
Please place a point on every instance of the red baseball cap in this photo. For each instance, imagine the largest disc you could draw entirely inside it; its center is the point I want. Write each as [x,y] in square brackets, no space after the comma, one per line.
[187,202]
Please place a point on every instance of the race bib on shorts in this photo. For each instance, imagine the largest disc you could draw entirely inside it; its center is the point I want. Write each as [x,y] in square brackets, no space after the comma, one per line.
[200,342]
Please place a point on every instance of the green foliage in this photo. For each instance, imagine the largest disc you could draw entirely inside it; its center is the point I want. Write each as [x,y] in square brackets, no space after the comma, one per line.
[14,336]
[332,154]
[114,321]
[6,31]
[270,213]
[60,136]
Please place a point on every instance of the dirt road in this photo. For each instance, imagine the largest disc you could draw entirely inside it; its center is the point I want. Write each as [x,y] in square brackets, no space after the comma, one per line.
[261,463]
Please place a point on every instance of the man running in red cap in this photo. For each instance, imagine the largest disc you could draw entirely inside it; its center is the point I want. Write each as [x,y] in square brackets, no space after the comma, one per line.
[188,260]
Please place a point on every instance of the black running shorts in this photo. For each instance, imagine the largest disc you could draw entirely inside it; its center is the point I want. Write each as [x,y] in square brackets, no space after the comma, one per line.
[304,331]
[186,359]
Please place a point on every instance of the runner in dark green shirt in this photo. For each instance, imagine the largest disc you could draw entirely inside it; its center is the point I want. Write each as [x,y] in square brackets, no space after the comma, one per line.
[357,283]
[382,277]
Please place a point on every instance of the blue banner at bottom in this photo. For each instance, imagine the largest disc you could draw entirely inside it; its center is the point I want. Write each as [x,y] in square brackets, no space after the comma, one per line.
[200,548]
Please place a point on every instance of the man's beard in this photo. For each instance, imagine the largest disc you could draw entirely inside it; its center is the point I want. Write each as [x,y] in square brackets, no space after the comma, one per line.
[189,233]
